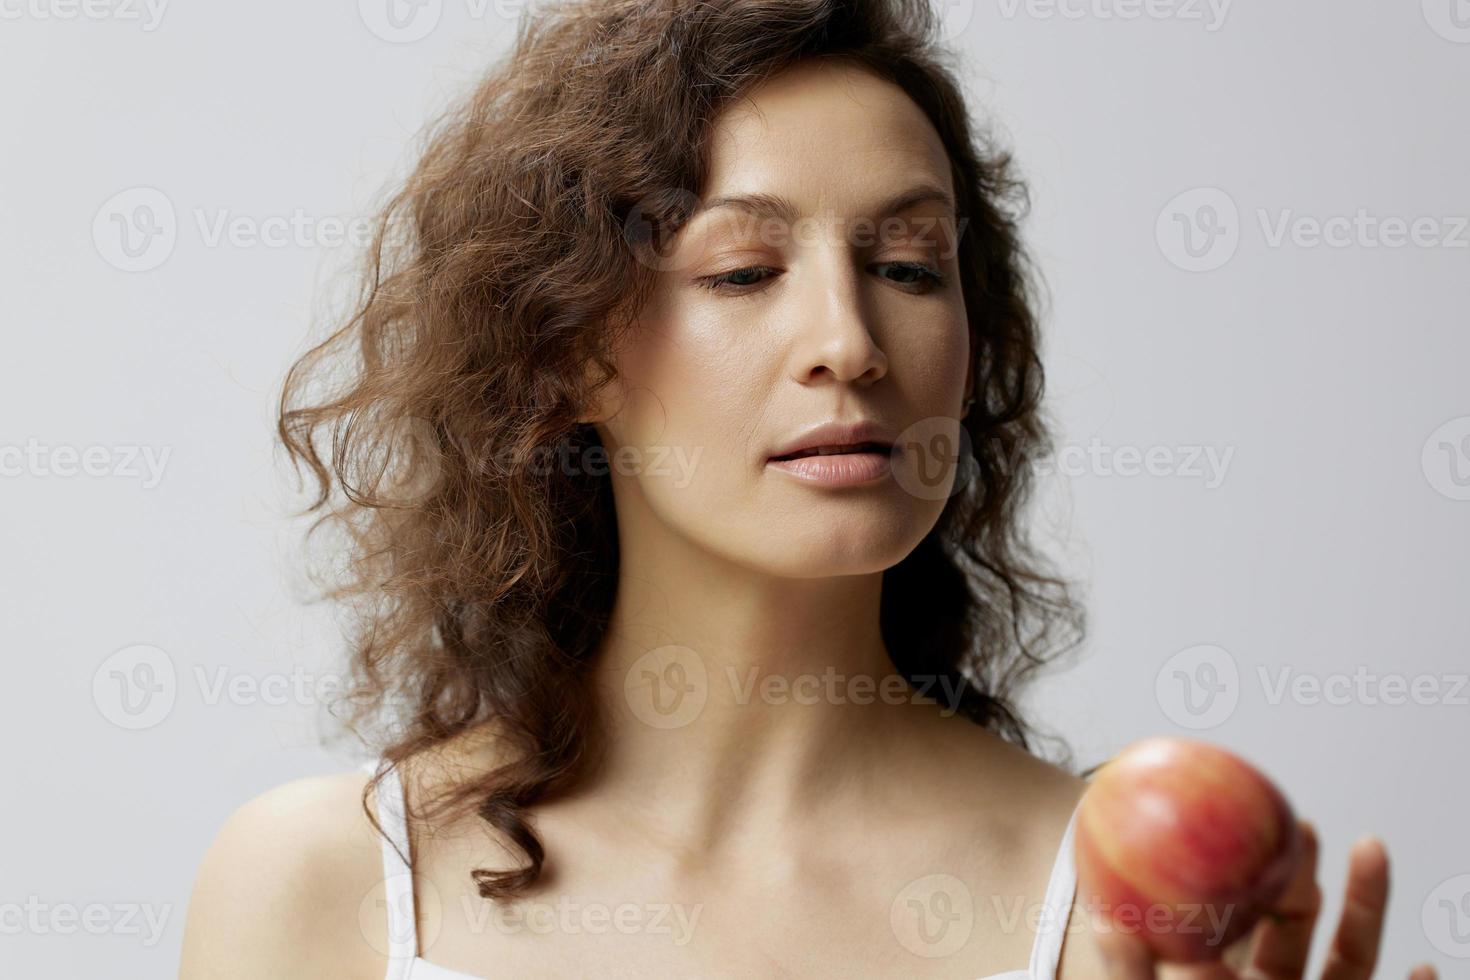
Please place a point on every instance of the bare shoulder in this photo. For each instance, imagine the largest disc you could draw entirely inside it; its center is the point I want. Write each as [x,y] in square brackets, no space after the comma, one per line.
[1057,794]
[1039,799]
[1044,784]
[292,885]
[287,888]
[1026,799]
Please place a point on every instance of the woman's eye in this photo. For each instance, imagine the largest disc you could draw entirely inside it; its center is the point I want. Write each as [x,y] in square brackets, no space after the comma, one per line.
[735,279]
[916,274]
[738,280]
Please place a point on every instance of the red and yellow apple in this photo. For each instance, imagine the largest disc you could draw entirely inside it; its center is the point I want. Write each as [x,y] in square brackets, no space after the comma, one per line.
[1185,845]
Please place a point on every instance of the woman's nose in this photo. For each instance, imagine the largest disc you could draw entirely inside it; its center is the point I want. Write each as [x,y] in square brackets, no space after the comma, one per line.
[834,327]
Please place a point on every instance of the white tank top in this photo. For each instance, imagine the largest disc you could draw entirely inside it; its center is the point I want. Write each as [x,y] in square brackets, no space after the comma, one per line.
[405,963]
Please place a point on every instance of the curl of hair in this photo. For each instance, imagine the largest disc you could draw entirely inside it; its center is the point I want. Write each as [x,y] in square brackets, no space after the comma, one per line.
[499,276]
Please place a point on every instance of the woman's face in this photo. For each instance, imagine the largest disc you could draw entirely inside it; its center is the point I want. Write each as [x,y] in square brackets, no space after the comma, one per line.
[764,325]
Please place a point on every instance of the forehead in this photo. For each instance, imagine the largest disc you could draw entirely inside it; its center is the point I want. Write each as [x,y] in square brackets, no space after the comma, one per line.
[825,135]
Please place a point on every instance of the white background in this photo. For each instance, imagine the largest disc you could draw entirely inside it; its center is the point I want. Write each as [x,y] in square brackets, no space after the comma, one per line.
[1330,379]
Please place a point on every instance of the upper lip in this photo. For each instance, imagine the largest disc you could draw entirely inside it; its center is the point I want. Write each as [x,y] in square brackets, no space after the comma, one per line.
[837,434]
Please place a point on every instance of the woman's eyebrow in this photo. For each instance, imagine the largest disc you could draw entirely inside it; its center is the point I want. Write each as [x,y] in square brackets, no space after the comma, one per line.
[779,207]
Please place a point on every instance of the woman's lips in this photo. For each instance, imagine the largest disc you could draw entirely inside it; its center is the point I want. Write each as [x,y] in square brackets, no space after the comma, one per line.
[838,469]
[832,450]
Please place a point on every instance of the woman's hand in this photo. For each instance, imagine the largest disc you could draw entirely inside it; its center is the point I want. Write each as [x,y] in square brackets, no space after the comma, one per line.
[1277,948]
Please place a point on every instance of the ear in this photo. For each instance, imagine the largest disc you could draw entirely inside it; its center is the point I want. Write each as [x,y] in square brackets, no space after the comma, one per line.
[594,410]
[602,385]
[602,390]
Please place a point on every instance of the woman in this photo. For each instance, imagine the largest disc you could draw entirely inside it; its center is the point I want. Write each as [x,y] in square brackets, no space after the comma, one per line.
[682,464]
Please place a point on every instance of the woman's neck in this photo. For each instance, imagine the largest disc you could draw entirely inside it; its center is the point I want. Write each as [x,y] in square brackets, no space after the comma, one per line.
[736,703]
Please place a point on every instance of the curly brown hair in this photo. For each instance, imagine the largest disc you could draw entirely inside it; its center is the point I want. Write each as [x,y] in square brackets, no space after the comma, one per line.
[499,277]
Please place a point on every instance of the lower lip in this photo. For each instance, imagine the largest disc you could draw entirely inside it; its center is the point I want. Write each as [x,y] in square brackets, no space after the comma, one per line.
[838,469]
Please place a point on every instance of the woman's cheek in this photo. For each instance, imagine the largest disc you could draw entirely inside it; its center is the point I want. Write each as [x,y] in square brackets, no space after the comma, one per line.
[689,401]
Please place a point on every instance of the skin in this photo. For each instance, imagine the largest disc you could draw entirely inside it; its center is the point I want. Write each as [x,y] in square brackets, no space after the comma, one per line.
[793,825]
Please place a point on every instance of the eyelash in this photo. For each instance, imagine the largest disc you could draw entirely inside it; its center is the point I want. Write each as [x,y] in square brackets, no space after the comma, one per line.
[720,283]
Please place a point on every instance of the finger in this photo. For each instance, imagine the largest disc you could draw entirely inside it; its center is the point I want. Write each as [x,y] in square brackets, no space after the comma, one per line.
[1423,971]
[1354,949]
[1283,940]
[1125,955]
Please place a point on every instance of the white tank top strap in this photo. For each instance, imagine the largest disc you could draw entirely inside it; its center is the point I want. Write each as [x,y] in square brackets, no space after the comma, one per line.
[1061,890]
[403,943]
